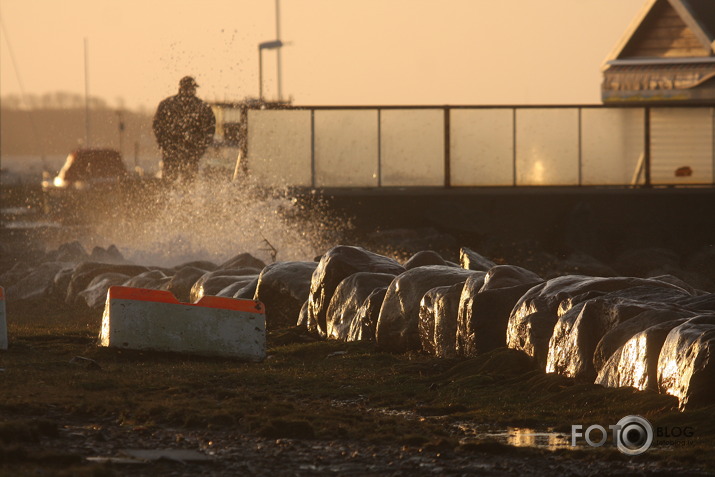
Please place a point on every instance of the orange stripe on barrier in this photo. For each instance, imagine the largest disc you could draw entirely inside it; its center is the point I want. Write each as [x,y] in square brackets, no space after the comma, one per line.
[2,293]
[164,296]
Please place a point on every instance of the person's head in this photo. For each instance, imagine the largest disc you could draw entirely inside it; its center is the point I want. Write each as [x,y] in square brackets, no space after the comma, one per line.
[187,86]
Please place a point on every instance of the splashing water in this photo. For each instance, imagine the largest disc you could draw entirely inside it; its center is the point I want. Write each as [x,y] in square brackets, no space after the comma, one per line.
[215,220]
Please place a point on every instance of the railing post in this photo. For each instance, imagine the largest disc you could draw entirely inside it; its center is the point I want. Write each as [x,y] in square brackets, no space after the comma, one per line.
[312,148]
[646,147]
[447,151]
[379,147]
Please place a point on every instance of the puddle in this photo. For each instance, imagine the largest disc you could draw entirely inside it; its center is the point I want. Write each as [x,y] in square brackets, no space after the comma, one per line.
[515,436]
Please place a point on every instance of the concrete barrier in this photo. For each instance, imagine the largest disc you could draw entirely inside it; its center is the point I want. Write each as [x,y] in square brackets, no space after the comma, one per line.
[3,320]
[138,318]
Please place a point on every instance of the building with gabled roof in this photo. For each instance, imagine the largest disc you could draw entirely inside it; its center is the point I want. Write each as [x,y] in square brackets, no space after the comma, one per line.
[667,55]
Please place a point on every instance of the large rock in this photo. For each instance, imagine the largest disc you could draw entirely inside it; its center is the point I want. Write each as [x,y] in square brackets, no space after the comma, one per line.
[72,252]
[337,264]
[243,287]
[247,291]
[365,322]
[109,255]
[579,330]
[152,279]
[95,295]
[183,281]
[242,260]
[347,299]
[85,272]
[438,320]
[211,283]
[686,365]
[424,257]
[635,363]
[507,276]
[618,336]
[37,283]
[283,287]
[531,322]
[471,260]
[483,316]
[397,325]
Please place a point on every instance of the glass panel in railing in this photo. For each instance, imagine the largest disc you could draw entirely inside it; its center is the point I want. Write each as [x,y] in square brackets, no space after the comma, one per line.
[612,146]
[279,147]
[681,145]
[412,147]
[481,147]
[346,148]
[547,146]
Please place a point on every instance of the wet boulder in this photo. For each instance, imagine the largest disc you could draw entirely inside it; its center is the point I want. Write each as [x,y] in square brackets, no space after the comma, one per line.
[398,324]
[303,319]
[109,255]
[484,310]
[60,283]
[205,265]
[424,257]
[242,260]
[151,279]
[183,280]
[686,365]
[36,283]
[624,331]
[95,295]
[347,298]
[579,330]
[284,287]
[247,291]
[242,286]
[438,320]
[532,321]
[337,264]
[211,283]
[365,322]
[635,363]
[85,272]
[471,260]
[507,276]
[72,252]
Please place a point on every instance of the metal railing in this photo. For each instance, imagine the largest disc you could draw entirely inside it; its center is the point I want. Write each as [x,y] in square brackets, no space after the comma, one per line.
[482,146]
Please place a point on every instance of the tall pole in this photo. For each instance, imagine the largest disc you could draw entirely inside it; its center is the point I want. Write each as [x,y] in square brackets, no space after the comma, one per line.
[86,94]
[278,51]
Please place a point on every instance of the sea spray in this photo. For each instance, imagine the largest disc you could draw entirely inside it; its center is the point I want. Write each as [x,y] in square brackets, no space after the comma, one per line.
[215,219]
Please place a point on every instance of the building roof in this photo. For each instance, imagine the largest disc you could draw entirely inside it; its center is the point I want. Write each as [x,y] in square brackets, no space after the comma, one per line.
[669,29]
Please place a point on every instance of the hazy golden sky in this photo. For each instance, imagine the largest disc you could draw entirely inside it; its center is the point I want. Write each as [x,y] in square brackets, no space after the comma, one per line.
[341,51]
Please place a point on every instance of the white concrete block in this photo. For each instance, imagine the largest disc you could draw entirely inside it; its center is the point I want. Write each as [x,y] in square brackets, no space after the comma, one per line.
[3,320]
[138,318]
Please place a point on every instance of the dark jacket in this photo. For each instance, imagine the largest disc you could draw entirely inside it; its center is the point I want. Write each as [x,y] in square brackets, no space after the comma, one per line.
[184,127]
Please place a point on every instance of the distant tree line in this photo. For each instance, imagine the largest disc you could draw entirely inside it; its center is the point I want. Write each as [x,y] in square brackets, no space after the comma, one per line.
[54,100]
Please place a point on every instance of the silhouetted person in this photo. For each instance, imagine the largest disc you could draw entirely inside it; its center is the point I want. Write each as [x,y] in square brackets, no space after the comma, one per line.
[184,127]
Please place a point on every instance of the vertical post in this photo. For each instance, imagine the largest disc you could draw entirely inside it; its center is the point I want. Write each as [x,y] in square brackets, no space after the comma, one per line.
[580,147]
[646,146]
[447,151]
[312,148]
[379,147]
[86,94]
[260,73]
[136,153]
[513,146]
[120,120]
[278,50]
